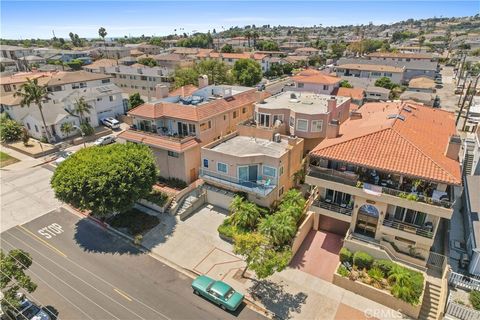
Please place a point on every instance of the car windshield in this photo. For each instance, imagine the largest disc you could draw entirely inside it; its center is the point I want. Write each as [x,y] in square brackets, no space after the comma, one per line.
[229,294]
[30,312]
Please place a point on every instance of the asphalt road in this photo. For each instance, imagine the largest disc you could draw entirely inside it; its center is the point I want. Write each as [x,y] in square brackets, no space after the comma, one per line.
[277,87]
[86,272]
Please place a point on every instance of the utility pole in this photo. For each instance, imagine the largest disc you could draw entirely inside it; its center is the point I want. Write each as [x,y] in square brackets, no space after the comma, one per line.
[470,103]
[461,68]
[463,103]
[463,88]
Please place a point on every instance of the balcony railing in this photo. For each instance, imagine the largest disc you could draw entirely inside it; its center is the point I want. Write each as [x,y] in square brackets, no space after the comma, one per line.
[408,228]
[176,138]
[353,179]
[262,189]
[321,203]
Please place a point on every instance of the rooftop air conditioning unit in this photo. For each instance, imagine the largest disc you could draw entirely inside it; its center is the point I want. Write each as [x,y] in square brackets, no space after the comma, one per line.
[277,137]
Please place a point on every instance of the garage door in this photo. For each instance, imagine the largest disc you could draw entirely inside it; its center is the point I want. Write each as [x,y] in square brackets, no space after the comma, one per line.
[330,224]
[219,198]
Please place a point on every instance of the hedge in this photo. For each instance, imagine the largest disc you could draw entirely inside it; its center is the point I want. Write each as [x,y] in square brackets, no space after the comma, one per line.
[345,255]
[362,260]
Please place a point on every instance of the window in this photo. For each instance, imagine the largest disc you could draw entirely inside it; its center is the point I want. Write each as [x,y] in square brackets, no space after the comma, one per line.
[36,128]
[83,84]
[28,126]
[7,88]
[325,87]
[277,117]
[292,121]
[191,128]
[280,191]
[173,154]
[269,171]
[205,163]
[224,117]
[264,119]
[376,74]
[106,81]
[235,114]
[244,110]
[222,167]
[300,85]
[317,125]
[99,99]
[410,216]
[144,78]
[206,125]
[387,74]
[280,171]
[111,98]
[75,85]
[302,125]
[144,88]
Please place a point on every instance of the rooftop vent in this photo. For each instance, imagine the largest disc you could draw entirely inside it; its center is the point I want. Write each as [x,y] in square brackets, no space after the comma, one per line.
[407,109]
[293,96]
[396,116]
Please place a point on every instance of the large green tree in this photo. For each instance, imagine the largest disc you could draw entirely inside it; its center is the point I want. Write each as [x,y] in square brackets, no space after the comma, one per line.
[10,130]
[134,100]
[105,179]
[184,76]
[259,254]
[227,48]
[385,82]
[81,108]
[102,32]
[33,93]
[247,72]
[148,61]
[13,277]
[217,71]
[245,214]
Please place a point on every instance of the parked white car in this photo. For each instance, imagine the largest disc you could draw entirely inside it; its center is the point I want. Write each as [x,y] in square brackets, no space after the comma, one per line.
[63,155]
[104,141]
[110,122]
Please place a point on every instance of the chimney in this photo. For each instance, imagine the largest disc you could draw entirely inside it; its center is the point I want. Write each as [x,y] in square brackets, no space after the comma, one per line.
[331,104]
[333,129]
[354,115]
[161,91]
[453,147]
[292,140]
[202,81]
[101,69]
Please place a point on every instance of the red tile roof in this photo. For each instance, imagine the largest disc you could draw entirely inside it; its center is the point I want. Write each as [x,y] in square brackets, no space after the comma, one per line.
[158,141]
[354,93]
[414,146]
[199,112]
[315,76]
[244,55]
[184,91]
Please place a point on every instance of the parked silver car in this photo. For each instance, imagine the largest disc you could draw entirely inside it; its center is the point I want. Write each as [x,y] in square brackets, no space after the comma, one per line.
[110,122]
[104,140]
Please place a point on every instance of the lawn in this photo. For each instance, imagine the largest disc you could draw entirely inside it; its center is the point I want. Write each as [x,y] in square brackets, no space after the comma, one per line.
[6,160]
[133,221]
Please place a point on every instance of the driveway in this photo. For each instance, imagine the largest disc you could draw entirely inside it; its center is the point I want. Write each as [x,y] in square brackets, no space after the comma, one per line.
[448,99]
[318,254]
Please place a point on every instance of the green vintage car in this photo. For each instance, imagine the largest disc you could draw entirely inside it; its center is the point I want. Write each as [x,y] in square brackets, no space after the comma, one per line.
[218,292]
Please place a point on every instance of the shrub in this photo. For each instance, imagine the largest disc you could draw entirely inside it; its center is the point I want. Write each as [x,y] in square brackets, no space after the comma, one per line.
[228,230]
[343,271]
[475,299]
[10,130]
[87,129]
[362,260]
[377,276]
[345,255]
[173,182]
[384,265]
[158,197]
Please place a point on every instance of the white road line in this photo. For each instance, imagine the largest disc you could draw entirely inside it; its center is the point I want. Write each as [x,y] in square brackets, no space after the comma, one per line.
[68,285]
[68,271]
[55,290]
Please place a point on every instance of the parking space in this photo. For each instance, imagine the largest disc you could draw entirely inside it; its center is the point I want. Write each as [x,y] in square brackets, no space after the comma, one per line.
[318,254]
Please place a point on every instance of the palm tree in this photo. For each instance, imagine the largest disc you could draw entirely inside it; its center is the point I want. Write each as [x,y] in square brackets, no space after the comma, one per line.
[248,35]
[66,128]
[102,32]
[255,36]
[279,227]
[245,213]
[33,93]
[81,108]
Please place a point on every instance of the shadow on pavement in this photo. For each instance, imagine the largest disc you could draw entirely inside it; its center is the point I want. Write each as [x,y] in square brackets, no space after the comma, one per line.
[92,238]
[161,233]
[273,296]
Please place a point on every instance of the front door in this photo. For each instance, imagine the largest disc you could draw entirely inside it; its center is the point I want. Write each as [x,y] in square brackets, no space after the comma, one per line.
[252,173]
[367,220]
[193,175]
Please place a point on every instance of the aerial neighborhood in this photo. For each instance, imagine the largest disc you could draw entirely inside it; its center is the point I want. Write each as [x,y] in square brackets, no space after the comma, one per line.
[310,171]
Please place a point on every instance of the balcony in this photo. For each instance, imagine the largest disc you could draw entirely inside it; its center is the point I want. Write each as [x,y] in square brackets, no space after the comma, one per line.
[425,232]
[160,133]
[378,183]
[262,187]
[328,205]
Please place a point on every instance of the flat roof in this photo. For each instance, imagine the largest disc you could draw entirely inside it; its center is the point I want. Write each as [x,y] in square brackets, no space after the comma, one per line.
[242,146]
[304,102]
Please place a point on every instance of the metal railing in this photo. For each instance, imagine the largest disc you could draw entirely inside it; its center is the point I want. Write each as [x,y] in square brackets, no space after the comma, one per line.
[460,311]
[161,135]
[463,281]
[243,185]
[332,207]
[353,179]
[408,228]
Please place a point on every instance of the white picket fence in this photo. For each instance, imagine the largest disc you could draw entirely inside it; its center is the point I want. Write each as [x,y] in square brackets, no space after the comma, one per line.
[465,282]
[461,312]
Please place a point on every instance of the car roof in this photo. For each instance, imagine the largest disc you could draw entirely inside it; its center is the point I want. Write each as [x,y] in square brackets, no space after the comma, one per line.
[203,281]
[220,287]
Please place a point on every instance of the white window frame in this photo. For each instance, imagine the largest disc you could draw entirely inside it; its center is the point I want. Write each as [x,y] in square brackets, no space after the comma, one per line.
[203,163]
[298,129]
[266,125]
[268,175]
[226,167]
[280,171]
[277,117]
[314,126]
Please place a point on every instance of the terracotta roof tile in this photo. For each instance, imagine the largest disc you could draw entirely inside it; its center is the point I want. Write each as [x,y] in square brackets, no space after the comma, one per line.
[184,91]
[354,93]
[414,146]
[314,76]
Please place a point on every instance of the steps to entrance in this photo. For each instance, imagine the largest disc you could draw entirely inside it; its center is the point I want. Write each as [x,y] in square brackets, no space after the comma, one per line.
[431,300]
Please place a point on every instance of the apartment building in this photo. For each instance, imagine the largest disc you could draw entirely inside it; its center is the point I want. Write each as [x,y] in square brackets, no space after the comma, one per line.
[138,78]
[388,179]
[13,57]
[400,56]
[172,61]
[307,115]
[150,49]
[259,162]
[231,58]
[371,71]
[65,88]
[177,126]
[311,80]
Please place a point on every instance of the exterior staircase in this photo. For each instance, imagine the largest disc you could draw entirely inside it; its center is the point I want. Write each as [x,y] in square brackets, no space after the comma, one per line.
[431,300]
[187,204]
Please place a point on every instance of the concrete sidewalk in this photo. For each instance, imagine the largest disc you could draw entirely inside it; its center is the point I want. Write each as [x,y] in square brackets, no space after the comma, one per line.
[194,244]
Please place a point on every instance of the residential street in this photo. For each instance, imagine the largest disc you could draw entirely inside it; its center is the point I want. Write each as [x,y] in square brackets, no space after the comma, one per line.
[86,272]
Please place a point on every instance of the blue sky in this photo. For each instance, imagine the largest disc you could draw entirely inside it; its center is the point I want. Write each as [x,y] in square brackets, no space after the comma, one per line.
[32,19]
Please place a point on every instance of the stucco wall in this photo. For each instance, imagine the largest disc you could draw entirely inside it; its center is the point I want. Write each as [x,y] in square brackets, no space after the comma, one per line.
[219,199]
[302,232]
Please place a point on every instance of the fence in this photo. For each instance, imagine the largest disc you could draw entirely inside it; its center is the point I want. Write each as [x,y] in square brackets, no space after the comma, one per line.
[462,312]
[462,281]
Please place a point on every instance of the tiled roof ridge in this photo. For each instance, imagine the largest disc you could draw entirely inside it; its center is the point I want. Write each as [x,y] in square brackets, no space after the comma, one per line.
[353,138]
[423,153]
